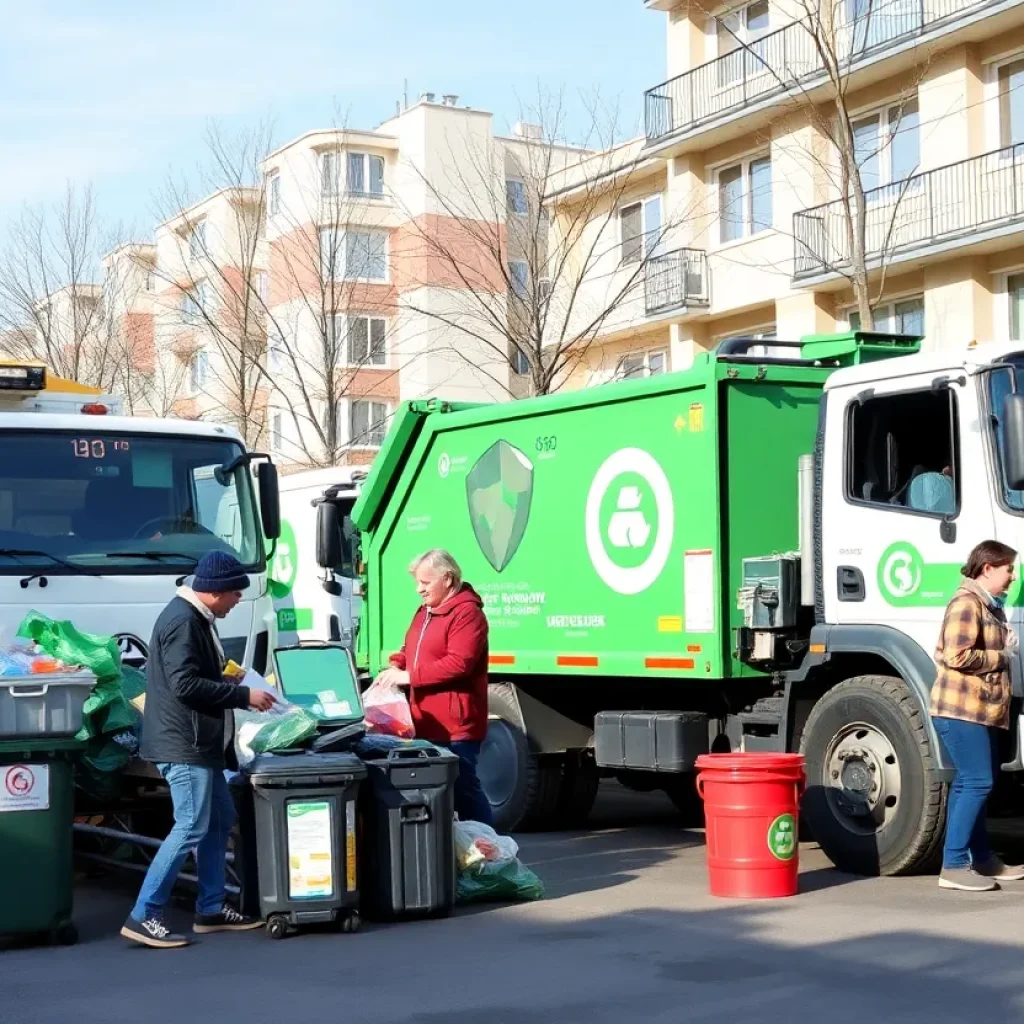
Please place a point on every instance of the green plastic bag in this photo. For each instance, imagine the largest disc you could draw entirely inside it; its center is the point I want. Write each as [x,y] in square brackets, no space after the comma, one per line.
[285,731]
[501,881]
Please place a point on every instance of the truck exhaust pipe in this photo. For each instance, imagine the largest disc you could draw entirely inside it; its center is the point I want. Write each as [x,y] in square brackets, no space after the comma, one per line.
[805,507]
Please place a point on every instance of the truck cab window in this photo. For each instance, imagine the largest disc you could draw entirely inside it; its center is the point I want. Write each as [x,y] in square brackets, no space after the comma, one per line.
[1003,382]
[903,452]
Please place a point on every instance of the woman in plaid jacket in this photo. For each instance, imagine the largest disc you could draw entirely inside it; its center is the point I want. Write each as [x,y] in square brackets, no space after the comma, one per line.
[970,704]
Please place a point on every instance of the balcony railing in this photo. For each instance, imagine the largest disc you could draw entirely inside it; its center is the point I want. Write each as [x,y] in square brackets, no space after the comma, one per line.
[788,57]
[676,279]
[942,205]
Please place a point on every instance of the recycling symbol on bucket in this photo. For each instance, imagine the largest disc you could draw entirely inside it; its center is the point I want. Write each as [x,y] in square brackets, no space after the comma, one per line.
[782,837]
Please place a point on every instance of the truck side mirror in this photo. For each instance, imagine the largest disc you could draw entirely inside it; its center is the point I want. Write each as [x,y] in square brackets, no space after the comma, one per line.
[1013,441]
[270,500]
[328,535]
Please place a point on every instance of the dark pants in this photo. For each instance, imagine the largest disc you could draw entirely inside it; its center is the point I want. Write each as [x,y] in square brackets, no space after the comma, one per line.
[470,802]
[974,752]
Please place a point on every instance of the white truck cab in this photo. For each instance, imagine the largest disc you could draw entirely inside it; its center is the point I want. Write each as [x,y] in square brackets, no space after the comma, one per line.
[312,604]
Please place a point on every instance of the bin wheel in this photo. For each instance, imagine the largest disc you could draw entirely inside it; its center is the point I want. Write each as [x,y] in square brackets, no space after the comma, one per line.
[277,927]
[66,935]
[351,924]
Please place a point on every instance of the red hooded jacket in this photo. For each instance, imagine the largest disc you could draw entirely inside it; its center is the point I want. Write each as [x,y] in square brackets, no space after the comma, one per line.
[445,654]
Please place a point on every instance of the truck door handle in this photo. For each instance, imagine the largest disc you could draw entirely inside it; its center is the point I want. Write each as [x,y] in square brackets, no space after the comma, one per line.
[851,583]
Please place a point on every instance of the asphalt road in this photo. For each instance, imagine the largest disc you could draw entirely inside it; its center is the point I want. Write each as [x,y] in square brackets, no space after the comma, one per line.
[627,933]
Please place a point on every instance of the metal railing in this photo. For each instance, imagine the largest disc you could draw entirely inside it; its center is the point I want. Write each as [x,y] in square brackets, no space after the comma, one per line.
[935,206]
[675,279]
[779,61]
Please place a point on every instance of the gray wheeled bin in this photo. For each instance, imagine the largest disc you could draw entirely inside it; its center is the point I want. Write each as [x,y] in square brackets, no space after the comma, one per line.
[305,825]
[409,845]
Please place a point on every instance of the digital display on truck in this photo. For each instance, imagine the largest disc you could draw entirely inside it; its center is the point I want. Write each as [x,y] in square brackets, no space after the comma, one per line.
[122,502]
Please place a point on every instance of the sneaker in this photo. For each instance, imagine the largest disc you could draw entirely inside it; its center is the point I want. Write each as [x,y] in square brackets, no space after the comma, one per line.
[228,920]
[152,932]
[995,868]
[966,880]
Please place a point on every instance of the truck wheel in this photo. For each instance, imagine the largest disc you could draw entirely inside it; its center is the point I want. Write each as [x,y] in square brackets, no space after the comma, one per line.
[578,792]
[521,786]
[871,801]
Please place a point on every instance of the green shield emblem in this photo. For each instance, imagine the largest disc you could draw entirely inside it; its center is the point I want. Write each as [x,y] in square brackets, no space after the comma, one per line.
[499,489]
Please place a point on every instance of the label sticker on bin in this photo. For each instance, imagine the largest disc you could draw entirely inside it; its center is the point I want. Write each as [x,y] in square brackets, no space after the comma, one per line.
[782,837]
[331,707]
[310,866]
[25,787]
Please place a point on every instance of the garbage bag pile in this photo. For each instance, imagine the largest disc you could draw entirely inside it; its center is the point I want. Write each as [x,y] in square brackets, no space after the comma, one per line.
[111,726]
[489,868]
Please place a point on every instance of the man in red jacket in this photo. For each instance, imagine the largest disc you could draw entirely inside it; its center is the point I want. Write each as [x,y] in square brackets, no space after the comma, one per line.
[444,663]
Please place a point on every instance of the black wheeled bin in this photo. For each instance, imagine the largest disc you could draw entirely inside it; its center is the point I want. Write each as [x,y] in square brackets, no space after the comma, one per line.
[409,847]
[37,809]
[305,831]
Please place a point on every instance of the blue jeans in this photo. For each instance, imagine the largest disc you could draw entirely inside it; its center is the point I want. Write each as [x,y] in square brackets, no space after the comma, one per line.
[974,752]
[204,815]
[470,802]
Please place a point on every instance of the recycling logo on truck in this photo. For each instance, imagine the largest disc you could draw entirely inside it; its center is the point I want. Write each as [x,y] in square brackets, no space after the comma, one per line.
[630,520]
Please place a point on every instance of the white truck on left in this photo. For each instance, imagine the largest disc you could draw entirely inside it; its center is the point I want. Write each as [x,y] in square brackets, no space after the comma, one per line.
[101,515]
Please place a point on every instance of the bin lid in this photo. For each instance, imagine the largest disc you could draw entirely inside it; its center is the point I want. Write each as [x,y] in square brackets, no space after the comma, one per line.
[322,679]
[343,766]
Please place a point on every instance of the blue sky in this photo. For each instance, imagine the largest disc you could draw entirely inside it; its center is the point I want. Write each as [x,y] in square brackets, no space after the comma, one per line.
[118,93]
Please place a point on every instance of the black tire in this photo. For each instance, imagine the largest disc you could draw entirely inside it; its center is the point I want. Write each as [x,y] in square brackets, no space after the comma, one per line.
[911,840]
[521,786]
[682,791]
[351,924]
[277,927]
[578,792]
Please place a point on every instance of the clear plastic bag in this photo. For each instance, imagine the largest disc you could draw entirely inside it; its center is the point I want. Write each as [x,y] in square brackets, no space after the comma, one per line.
[477,844]
[386,710]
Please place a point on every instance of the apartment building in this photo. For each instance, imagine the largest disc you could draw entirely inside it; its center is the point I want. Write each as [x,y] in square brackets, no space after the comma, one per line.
[384,283]
[736,207]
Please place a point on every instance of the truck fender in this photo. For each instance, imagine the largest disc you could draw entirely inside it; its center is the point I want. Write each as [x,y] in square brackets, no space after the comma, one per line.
[904,655]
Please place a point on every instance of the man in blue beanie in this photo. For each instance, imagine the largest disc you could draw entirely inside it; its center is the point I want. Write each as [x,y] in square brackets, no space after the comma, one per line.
[184,736]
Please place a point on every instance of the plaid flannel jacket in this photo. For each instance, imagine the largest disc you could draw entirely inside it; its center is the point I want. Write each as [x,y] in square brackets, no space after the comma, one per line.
[973,680]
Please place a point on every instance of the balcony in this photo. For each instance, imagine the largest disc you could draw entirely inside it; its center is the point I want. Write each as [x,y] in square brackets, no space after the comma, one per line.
[789,58]
[676,280]
[970,199]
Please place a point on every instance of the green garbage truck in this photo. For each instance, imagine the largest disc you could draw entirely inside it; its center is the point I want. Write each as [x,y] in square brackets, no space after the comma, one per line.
[751,554]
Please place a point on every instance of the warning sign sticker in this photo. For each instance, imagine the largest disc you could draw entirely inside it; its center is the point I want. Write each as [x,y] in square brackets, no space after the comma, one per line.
[24,787]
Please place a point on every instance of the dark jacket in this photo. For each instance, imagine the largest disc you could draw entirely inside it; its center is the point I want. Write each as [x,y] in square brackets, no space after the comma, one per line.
[445,654]
[186,695]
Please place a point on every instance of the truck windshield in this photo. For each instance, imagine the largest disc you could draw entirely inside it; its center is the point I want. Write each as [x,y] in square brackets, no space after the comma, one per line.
[1003,381]
[122,502]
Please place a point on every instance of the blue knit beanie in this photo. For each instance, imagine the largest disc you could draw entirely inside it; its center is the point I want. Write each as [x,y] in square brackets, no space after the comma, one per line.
[218,572]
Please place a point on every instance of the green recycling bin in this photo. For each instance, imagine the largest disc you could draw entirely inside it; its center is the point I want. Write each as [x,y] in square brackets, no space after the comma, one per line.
[36,832]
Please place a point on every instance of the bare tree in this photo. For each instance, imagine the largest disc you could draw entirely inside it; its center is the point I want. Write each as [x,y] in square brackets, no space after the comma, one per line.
[51,307]
[533,260]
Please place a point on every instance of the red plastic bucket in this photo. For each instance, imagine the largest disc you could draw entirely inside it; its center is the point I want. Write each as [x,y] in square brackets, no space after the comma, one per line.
[751,808]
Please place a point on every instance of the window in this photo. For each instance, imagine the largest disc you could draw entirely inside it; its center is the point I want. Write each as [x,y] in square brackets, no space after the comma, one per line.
[365,336]
[260,283]
[745,199]
[887,145]
[368,423]
[903,452]
[197,241]
[767,334]
[366,256]
[365,174]
[520,364]
[519,275]
[1001,383]
[195,303]
[275,432]
[275,351]
[736,35]
[274,195]
[905,317]
[544,289]
[329,174]
[640,229]
[199,370]
[515,192]
[642,364]
[1011,103]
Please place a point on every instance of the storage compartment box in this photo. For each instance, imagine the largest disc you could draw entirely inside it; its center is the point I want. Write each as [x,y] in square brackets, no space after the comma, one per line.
[408,808]
[44,706]
[660,741]
[770,594]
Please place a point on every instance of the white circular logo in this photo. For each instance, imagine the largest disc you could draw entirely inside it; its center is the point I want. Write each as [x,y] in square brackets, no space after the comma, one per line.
[627,527]
[444,465]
